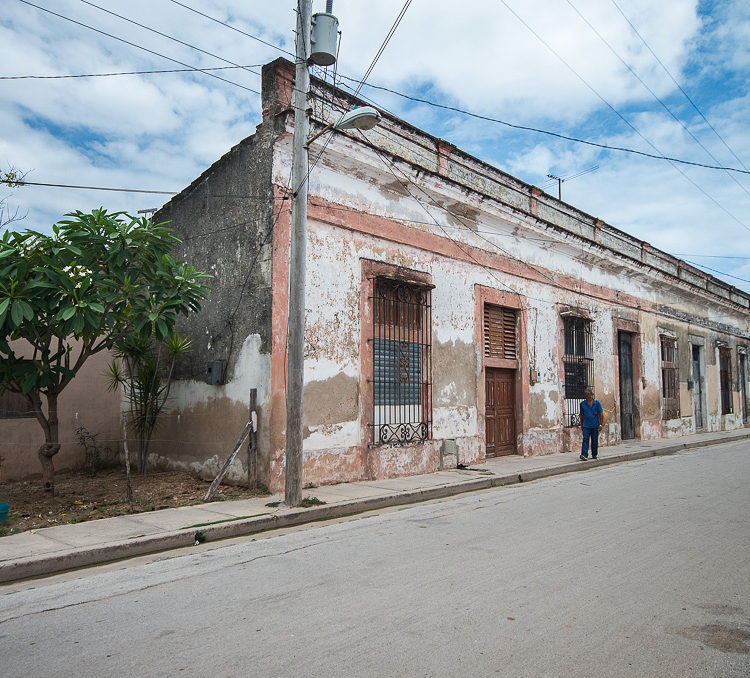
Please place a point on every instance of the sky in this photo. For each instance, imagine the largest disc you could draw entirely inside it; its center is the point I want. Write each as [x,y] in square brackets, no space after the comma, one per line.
[666,78]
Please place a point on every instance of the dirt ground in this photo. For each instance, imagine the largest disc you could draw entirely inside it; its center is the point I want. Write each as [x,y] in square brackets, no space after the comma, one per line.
[80,496]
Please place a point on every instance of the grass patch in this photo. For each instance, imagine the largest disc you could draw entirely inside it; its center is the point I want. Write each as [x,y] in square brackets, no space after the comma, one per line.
[307,502]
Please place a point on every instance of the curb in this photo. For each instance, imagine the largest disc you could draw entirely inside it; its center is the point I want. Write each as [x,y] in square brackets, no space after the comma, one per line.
[35,566]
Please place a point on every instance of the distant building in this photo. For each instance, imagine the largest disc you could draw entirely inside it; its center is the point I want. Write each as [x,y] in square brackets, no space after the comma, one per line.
[453,311]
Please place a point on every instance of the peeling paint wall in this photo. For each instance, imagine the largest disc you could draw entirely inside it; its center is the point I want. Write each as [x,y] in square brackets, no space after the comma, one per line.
[485,230]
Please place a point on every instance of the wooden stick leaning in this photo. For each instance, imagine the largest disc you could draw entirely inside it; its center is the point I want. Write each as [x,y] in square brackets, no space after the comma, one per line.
[217,481]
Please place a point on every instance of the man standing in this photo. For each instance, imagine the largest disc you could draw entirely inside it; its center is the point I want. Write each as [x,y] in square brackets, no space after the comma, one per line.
[592,417]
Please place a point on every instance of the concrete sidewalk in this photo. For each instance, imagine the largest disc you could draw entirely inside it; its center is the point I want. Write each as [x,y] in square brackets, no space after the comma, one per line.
[64,547]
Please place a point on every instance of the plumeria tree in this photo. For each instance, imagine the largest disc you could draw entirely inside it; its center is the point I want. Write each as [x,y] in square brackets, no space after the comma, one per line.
[98,278]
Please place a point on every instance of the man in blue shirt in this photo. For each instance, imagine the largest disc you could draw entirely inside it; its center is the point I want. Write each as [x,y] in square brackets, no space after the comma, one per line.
[592,418]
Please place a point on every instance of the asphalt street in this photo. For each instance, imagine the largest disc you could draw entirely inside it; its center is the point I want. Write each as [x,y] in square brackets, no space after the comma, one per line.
[639,569]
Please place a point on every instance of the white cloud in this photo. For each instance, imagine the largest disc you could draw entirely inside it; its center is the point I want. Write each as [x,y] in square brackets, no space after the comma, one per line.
[160,131]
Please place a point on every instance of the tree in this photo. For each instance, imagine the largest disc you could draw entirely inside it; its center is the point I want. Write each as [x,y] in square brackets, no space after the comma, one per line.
[143,369]
[98,278]
[13,178]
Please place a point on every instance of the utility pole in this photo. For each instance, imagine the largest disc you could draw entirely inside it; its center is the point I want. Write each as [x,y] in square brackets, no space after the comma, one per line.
[296,321]
[559,185]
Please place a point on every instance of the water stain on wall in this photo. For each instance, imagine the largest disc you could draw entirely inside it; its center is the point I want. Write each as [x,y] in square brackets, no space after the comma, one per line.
[331,401]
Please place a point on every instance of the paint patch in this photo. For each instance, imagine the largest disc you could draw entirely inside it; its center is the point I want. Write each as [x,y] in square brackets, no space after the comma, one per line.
[331,401]
[454,372]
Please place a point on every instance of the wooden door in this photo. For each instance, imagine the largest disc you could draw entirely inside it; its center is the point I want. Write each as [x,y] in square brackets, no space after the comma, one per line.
[627,419]
[500,415]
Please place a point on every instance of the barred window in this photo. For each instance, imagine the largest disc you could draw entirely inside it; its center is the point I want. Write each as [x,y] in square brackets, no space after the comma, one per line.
[14,406]
[402,386]
[578,365]
[670,380]
[500,332]
[725,381]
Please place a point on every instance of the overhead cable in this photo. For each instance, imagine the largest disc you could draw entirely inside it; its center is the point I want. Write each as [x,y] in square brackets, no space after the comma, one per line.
[109,75]
[132,44]
[677,84]
[620,115]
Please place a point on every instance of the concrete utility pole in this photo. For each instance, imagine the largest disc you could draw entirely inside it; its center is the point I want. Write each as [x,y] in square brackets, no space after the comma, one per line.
[296,329]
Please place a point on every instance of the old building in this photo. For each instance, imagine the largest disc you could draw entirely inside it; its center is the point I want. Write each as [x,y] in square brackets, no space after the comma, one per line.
[453,312]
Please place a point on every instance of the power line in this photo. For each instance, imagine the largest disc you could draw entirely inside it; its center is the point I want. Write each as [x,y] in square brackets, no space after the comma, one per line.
[677,84]
[359,87]
[234,28]
[132,44]
[109,75]
[612,232]
[653,94]
[728,275]
[169,37]
[711,256]
[618,114]
[391,167]
[137,190]
[527,128]
[383,45]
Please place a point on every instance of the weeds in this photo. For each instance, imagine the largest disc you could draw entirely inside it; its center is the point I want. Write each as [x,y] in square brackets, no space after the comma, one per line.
[307,502]
[97,458]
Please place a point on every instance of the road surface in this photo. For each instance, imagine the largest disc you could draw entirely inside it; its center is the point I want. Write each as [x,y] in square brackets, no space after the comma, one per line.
[639,569]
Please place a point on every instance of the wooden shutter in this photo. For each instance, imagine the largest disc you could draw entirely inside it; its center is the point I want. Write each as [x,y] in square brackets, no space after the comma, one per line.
[500,332]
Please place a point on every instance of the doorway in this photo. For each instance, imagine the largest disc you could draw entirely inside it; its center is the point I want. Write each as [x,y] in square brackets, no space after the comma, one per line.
[697,371]
[743,385]
[627,402]
[500,414]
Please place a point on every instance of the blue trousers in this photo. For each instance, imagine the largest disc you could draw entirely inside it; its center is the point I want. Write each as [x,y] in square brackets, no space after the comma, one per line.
[593,434]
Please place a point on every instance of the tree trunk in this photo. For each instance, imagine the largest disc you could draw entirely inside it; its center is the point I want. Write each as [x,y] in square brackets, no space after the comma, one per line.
[51,444]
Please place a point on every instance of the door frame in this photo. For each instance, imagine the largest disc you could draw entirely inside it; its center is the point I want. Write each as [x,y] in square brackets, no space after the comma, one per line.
[633,328]
[742,378]
[487,295]
[702,400]
[512,380]
[620,335]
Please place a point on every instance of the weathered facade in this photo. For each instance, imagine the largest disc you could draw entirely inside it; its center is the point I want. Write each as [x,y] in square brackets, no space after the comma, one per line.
[452,311]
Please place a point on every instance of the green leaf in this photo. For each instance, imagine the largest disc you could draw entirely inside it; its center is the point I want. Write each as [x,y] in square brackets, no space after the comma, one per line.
[28,383]
[4,305]
[16,314]
[163,330]
[26,309]
[96,307]
[67,313]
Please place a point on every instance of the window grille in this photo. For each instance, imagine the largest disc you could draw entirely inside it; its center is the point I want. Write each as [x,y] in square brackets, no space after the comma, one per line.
[402,367]
[14,406]
[725,380]
[670,380]
[500,332]
[578,366]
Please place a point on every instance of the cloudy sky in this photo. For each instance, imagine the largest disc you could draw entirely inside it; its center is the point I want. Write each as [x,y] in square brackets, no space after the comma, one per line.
[666,78]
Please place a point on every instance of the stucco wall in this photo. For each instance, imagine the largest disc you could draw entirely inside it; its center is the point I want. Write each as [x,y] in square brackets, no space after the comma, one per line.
[399,198]
[84,402]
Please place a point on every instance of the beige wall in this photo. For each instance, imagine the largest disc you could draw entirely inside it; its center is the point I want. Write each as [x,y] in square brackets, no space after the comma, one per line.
[84,402]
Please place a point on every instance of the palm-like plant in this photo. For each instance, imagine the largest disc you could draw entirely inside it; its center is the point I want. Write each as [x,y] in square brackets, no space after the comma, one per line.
[143,368]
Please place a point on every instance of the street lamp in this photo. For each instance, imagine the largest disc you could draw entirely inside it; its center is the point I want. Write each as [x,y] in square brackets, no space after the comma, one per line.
[365,117]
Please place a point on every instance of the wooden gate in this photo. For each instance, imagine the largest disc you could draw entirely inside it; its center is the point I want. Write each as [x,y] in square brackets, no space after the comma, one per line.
[500,415]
